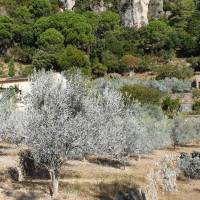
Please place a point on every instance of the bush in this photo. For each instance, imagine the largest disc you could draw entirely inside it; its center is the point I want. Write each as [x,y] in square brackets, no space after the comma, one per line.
[11,70]
[27,71]
[40,8]
[196,93]
[196,106]
[23,54]
[183,131]
[44,60]
[171,106]
[143,94]
[190,165]
[27,163]
[73,58]
[99,69]
[156,36]
[51,39]
[165,85]
[113,64]
[130,61]
[30,168]
[195,63]
[13,173]
[144,64]
[170,71]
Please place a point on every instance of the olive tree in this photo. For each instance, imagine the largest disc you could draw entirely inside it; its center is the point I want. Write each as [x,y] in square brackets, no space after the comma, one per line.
[52,125]
[183,131]
[6,106]
[118,129]
[63,118]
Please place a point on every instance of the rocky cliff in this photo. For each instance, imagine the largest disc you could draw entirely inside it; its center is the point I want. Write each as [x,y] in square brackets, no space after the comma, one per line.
[155,10]
[134,13]
[68,4]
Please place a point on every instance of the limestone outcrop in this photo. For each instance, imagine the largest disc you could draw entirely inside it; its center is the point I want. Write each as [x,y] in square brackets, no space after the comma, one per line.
[68,4]
[134,13]
[155,9]
[100,6]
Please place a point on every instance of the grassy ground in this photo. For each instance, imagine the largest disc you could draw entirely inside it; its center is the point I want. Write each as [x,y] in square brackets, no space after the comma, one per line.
[87,181]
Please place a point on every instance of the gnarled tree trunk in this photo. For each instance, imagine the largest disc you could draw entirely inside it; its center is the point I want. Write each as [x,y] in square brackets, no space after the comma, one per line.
[20,174]
[55,184]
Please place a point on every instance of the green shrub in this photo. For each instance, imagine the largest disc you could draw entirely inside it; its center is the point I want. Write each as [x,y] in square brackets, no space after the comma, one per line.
[23,54]
[51,39]
[132,62]
[99,69]
[196,93]
[11,70]
[144,64]
[73,58]
[40,8]
[43,60]
[171,106]
[195,63]
[143,94]
[27,71]
[196,106]
[170,71]
[6,58]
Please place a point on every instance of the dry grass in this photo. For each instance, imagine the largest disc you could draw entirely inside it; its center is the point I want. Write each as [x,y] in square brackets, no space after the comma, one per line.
[90,181]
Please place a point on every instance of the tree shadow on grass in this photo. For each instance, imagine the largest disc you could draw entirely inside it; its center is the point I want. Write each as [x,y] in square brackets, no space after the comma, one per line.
[117,190]
[31,196]
[16,193]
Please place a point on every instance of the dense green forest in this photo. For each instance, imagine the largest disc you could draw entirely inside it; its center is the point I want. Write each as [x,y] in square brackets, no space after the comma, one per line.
[37,34]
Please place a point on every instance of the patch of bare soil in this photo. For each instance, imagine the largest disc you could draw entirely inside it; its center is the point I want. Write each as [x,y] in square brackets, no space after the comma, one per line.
[81,180]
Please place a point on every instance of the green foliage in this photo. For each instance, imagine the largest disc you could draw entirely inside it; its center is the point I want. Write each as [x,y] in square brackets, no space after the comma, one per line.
[143,94]
[24,34]
[196,93]
[108,21]
[181,12]
[195,63]
[38,25]
[99,69]
[180,72]
[6,33]
[27,71]
[196,106]
[44,60]
[51,39]
[156,36]
[11,69]
[144,64]
[23,54]
[171,106]
[131,62]
[40,8]
[113,64]
[72,57]
[23,15]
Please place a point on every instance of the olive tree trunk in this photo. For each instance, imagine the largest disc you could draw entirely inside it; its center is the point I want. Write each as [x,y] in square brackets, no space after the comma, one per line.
[55,184]
[20,174]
